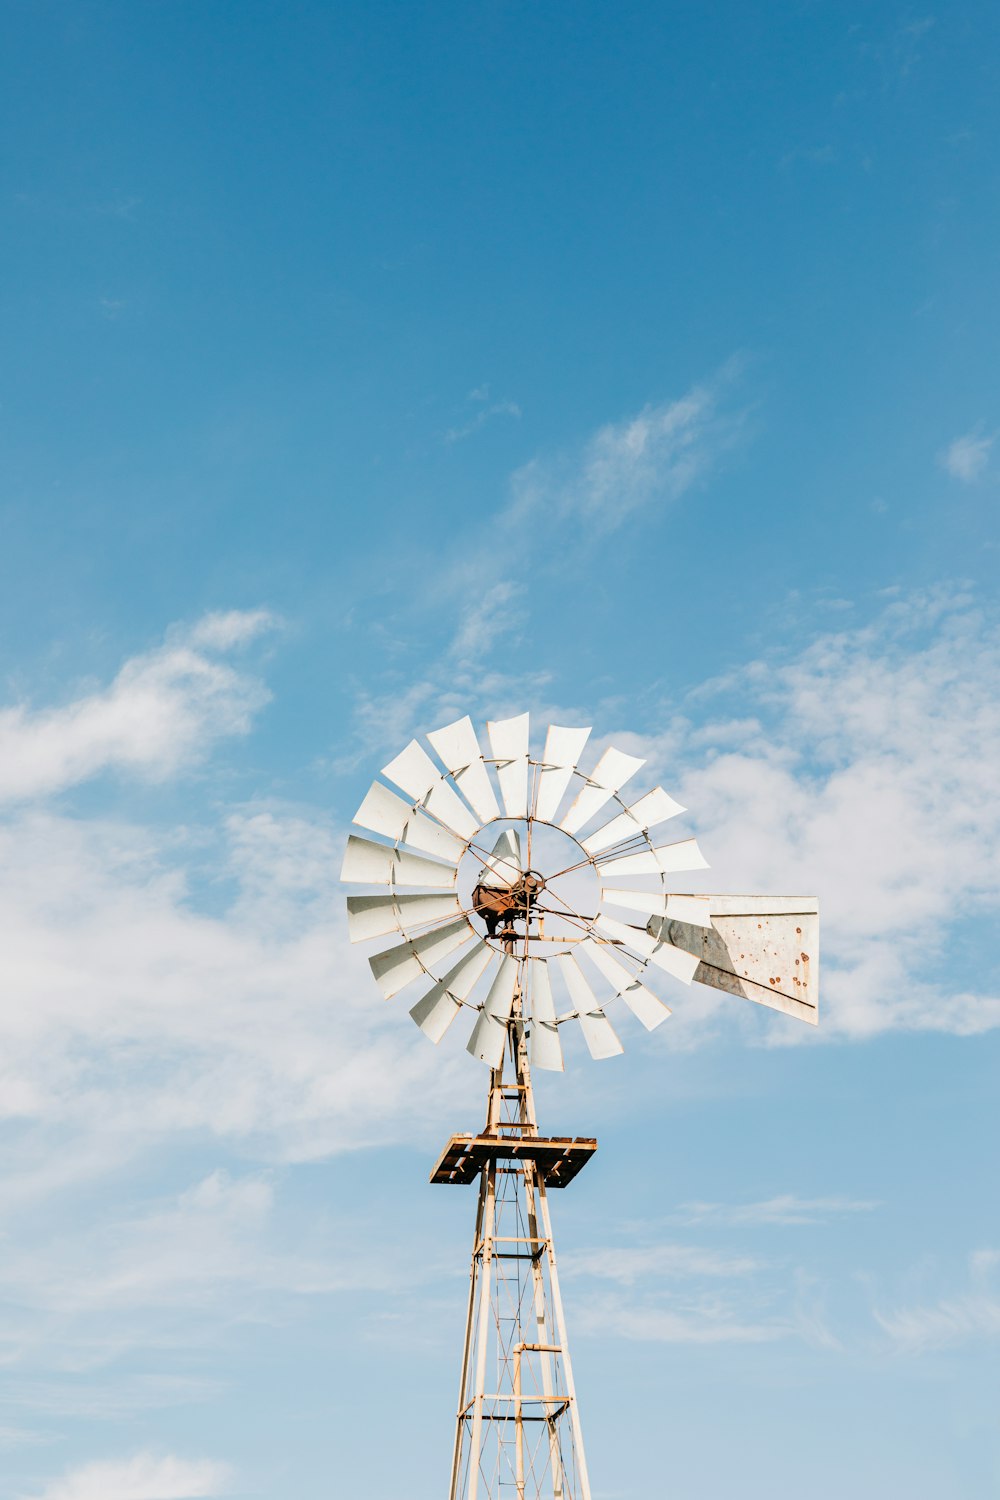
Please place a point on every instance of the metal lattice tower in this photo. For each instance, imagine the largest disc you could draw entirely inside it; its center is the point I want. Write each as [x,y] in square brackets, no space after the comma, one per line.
[518,1430]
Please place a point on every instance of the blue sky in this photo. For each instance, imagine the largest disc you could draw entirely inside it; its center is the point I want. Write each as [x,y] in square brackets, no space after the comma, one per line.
[368,365]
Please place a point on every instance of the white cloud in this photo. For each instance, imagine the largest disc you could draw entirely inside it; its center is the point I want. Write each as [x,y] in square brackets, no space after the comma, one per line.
[130,1013]
[141,1477]
[703,1320]
[629,1263]
[651,458]
[953,1321]
[785,1209]
[972,1315]
[967,457]
[862,770]
[176,1269]
[487,410]
[223,629]
[485,619]
[480,615]
[163,710]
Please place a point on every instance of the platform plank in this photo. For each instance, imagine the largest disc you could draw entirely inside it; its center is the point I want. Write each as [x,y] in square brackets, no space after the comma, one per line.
[558,1158]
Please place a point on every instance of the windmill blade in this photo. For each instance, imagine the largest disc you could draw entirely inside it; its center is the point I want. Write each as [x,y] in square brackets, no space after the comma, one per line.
[458,747]
[609,775]
[765,948]
[368,863]
[657,950]
[598,1032]
[503,868]
[599,1035]
[669,859]
[376,916]
[490,1031]
[693,909]
[545,1047]
[509,742]
[383,812]
[563,748]
[644,1005]
[435,1011]
[655,808]
[396,967]
[420,778]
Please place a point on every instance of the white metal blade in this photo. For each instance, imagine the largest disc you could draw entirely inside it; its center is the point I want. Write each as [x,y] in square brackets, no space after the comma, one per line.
[693,909]
[599,1035]
[416,773]
[667,860]
[765,948]
[375,916]
[563,748]
[435,1011]
[609,775]
[672,960]
[368,863]
[503,868]
[545,1047]
[509,742]
[490,1031]
[598,1032]
[396,967]
[652,809]
[383,812]
[644,1005]
[458,746]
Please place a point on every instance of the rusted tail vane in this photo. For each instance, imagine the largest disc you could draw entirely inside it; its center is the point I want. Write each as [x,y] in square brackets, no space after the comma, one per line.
[765,948]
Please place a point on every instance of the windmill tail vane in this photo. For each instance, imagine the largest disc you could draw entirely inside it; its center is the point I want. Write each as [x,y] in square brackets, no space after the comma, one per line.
[496,905]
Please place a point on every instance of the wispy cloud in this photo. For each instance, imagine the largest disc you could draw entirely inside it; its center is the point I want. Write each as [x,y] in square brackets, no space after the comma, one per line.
[644,461]
[786,1208]
[666,1291]
[483,409]
[968,456]
[163,709]
[629,1263]
[861,770]
[705,1320]
[144,1476]
[483,609]
[971,1315]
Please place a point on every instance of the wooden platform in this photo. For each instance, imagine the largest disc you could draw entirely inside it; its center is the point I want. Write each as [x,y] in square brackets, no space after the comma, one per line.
[558,1157]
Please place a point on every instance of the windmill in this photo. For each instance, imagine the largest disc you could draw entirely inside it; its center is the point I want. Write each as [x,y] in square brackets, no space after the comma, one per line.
[531,895]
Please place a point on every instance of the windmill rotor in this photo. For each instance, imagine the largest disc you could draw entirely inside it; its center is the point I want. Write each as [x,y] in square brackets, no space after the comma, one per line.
[457,861]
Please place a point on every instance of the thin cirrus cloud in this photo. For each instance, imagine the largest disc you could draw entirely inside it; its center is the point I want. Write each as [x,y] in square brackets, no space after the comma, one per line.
[698,1320]
[646,460]
[630,1263]
[484,409]
[785,1209]
[164,708]
[143,1476]
[968,1315]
